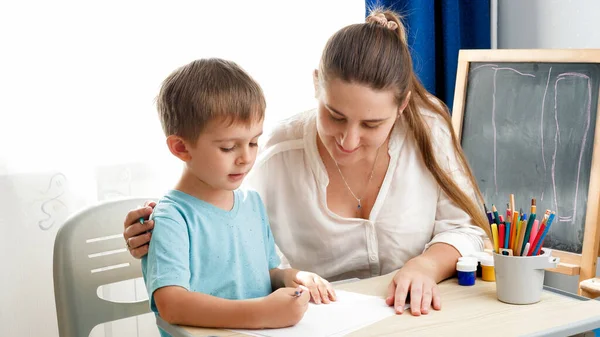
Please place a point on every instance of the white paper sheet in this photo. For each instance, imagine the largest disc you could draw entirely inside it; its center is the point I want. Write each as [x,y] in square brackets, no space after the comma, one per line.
[349,313]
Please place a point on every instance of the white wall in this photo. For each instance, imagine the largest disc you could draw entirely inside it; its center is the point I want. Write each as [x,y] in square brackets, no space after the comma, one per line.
[549,24]
[78,123]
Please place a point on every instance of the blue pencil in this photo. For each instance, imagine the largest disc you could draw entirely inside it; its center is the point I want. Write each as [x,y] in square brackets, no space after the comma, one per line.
[507,235]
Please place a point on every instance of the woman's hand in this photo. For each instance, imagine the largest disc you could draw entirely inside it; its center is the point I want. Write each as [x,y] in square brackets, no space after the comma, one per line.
[320,289]
[419,277]
[135,233]
[413,282]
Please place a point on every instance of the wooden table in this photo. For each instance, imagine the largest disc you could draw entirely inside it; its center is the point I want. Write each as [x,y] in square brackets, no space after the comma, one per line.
[465,311]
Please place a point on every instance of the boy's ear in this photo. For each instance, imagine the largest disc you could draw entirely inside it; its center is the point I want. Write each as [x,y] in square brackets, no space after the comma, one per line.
[316,83]
[178,148]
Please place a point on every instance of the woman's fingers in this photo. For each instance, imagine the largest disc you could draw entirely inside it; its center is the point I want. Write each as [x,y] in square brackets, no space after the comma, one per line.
[313,290]
[136,234]
[416,294]
[139,240]
[134,216]
[436,298]
[330,291]
[139,252]
[135,230]
[426,300]
[323,293]
[389,299]
[400,294]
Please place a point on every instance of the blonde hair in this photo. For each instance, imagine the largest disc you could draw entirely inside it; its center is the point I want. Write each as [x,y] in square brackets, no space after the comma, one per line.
[376,54]
[204,90]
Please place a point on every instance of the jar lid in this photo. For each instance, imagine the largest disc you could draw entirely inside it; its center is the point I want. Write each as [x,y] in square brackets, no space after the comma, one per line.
[470,259]
[466,265]
[480,255]
[487,261]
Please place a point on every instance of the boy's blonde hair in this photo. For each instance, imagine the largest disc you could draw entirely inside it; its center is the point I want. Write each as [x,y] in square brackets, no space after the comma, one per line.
[205,90]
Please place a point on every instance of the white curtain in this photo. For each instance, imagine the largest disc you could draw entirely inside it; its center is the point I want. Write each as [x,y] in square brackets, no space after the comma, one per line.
[77,117]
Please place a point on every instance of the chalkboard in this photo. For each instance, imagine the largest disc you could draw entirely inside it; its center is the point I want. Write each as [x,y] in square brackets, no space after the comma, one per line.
[528,129]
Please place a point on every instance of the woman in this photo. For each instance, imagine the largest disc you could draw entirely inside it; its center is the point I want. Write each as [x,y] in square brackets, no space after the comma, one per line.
[372,181]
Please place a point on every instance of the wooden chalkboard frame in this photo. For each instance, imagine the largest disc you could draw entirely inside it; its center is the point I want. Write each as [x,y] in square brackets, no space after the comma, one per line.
[583,264]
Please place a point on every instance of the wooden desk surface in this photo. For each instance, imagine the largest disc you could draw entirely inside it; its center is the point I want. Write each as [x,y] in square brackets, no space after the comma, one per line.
[468,310]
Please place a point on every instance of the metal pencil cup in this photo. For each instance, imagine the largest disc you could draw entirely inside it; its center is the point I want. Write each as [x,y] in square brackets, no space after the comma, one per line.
[520,279]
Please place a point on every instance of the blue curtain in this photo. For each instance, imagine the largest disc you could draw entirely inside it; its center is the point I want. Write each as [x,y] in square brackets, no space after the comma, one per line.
[437,29]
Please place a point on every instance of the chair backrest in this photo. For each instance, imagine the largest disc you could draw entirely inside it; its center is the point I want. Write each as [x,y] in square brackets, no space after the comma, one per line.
[89,251]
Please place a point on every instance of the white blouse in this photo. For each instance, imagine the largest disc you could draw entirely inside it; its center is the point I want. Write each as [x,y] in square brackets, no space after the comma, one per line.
[411,211]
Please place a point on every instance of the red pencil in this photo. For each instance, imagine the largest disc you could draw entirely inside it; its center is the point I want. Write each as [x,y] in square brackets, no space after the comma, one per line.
[501,234]
[537,238]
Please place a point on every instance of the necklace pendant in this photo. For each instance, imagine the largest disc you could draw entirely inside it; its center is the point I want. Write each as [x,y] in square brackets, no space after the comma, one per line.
[359,205]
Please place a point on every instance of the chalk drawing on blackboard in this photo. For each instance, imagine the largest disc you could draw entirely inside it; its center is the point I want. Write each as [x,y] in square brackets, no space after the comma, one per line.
[53,205]
[561,77]
[558,204]
[495,131]
[542,128]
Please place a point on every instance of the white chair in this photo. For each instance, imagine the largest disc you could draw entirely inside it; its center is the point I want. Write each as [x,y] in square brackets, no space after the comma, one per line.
[89,251]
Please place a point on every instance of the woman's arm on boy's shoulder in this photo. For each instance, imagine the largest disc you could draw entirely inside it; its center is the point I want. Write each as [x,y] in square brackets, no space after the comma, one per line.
[282,308]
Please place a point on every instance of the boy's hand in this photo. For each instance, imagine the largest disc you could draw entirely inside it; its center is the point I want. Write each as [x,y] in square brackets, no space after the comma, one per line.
[283,308]
[320,290]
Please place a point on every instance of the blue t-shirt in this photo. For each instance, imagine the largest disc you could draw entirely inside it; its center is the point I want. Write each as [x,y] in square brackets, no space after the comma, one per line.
[202,248]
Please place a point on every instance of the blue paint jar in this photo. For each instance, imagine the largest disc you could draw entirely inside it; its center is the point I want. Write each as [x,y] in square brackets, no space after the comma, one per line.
[467,270]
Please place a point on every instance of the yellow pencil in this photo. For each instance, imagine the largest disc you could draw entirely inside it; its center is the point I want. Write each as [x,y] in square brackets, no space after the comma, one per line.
[514,230]
[495,237]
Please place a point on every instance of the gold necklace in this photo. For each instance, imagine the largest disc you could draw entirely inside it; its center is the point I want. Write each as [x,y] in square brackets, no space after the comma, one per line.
[359,206]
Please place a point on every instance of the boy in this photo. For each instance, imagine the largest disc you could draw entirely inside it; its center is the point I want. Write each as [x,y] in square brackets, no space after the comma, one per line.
[212,259]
